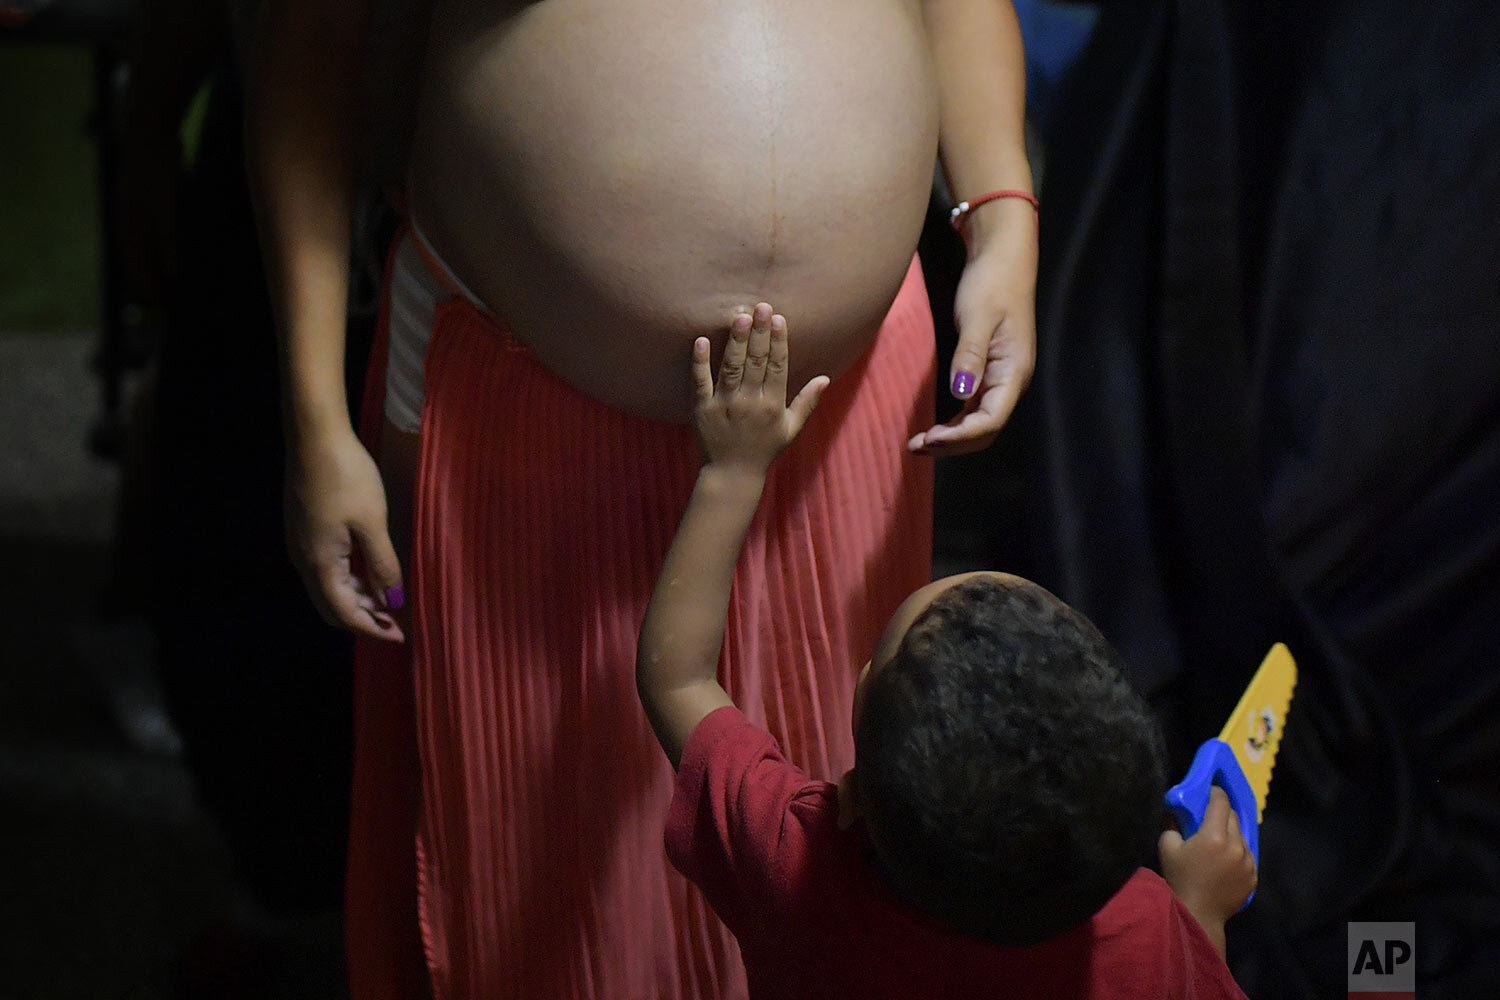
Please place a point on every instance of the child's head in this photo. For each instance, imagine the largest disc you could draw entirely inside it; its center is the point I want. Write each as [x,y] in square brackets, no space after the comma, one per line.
[1009,776]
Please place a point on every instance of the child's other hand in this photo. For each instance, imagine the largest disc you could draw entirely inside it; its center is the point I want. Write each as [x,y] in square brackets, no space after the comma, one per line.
[1213,871]
[744,421]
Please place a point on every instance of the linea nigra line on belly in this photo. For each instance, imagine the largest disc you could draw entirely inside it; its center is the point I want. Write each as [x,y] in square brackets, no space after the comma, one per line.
[774,114]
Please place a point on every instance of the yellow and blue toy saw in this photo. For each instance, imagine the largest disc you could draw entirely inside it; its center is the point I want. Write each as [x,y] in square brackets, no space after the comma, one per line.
[1241,759]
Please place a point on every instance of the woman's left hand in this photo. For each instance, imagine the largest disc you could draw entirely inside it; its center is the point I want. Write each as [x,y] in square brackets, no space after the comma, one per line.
[995,312]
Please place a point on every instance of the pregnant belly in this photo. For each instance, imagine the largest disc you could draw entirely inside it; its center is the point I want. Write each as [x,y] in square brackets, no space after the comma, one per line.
[615,180]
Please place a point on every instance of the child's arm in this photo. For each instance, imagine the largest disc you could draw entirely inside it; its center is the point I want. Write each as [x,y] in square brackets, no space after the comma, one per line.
[1213,871]
[742,424]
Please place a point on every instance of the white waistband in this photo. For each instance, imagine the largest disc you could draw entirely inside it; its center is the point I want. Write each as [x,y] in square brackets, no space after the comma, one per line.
[430,256]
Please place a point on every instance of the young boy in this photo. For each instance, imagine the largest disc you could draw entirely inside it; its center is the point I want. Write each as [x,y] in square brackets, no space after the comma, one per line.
[1007,779]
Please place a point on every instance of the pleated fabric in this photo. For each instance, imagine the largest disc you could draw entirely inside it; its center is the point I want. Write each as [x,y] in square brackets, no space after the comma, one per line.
[542,518]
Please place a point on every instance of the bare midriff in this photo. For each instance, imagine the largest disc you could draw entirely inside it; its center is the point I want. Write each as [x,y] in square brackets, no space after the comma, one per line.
[615,179]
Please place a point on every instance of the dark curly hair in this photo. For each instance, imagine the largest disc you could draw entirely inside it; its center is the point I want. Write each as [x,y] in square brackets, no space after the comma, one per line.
[1009,775]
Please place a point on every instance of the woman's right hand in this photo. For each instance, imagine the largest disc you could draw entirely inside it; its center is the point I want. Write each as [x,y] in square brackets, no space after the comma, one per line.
[335,501]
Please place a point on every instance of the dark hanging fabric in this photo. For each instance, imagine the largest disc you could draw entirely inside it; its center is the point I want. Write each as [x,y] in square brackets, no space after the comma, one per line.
[1268,407]
[257,684]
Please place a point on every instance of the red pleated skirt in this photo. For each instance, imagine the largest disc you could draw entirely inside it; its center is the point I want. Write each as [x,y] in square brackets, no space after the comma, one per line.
[509,797]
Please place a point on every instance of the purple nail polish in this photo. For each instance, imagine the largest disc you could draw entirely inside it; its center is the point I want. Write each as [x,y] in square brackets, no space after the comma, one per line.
[963,384]
[395,597]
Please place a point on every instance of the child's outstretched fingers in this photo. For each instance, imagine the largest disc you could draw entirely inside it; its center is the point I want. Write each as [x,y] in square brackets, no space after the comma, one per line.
[758,349]
[802,407]
[777,359]
[703,374]
[744,419]
[732,365]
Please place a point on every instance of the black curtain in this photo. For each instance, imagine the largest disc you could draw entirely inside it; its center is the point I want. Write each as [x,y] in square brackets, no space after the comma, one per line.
[258,685]
[1266,408]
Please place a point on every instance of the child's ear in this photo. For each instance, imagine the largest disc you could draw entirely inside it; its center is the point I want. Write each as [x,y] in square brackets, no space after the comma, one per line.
[848,800]
[859,698]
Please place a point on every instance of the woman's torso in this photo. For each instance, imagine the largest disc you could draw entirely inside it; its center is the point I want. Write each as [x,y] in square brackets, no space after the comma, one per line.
[615,179]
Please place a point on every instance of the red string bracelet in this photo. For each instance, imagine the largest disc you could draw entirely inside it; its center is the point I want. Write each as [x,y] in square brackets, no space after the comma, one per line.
[963,208]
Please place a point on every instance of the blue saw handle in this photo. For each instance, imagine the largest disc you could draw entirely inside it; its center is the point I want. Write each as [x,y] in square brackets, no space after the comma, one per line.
[1215,764]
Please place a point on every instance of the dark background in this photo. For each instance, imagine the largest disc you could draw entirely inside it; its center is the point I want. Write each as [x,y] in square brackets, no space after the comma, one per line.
[1267,407]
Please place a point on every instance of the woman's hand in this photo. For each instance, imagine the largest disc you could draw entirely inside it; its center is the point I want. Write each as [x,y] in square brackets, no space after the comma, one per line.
[995,312]
[335,500]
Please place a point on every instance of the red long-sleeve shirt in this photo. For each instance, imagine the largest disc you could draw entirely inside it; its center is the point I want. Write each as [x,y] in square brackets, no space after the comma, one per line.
[814,919]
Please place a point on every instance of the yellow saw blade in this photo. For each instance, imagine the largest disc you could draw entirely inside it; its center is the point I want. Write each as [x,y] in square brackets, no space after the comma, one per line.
[1255,726]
